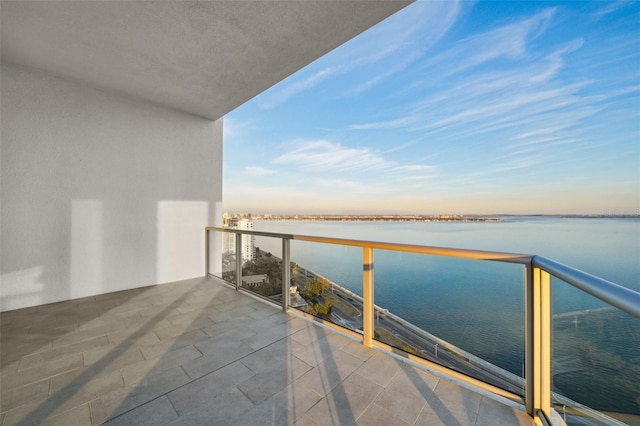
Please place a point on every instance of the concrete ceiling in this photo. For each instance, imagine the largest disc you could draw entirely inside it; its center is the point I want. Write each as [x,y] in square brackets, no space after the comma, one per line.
[202,57]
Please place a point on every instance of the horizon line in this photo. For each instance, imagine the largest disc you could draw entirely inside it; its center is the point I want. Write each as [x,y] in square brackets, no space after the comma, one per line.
[593,215]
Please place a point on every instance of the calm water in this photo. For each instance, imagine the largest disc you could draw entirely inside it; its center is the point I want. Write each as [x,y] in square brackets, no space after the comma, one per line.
[478,305]
[609,248]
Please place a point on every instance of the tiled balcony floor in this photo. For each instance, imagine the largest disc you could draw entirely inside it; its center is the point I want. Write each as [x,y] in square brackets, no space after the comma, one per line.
[198,352]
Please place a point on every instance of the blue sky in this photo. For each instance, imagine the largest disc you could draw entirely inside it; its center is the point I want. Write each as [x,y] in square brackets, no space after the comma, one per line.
[452,107]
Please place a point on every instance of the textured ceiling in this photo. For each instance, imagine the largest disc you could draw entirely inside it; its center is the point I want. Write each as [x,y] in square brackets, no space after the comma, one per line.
[202,57]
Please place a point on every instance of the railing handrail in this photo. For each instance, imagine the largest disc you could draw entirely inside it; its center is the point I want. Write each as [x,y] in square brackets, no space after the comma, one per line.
[623,298]
[620,297]
[248,232]
[497,256]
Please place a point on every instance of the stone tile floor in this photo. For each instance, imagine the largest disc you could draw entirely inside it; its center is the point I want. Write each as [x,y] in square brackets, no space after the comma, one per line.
[196,352]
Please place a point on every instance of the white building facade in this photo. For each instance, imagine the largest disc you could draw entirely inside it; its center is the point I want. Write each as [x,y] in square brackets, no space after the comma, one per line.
[248,248]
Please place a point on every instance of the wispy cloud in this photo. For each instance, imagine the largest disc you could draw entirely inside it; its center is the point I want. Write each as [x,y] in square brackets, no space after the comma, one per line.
[390,124]
[318,158]
[299,86]
[325,156]
[507,42]
[505,107]
[383,75]
[555,61]
[611,7]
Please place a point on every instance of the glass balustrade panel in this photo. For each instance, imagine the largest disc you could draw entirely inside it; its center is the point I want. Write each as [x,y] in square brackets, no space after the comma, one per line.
[595,359]
[464,314]
[326,281]
[262,266]
[222,255]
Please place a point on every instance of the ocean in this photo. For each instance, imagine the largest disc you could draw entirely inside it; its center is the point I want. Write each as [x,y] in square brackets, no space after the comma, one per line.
[479,306]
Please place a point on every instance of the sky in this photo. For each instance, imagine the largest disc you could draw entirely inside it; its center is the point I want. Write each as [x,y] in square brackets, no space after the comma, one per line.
[446,107]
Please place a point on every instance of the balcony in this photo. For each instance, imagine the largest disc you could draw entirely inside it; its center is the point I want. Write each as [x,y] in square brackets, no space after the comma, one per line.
[112,165]
[199,352]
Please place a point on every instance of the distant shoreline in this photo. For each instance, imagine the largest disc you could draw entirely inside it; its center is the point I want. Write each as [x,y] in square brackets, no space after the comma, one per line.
[421,218]
[378,218]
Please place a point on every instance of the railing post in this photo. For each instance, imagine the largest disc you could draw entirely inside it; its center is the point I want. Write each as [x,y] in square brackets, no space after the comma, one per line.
[544,396]
[286,273]
[538,342]
[529,384]
[367,296]
[206,252]
[238,260]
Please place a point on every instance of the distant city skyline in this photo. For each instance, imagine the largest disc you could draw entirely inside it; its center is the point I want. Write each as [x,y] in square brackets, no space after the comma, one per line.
[452,107]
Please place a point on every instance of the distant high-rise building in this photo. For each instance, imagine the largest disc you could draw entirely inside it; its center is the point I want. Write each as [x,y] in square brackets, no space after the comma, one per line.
[248,248]
[248,241]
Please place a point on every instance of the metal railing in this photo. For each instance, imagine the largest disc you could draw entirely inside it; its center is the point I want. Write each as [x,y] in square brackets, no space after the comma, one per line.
[538,316]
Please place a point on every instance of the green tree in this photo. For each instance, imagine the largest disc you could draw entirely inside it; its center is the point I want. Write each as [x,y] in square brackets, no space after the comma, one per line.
[312,293]
[314,289]
[324,309]
[320,309]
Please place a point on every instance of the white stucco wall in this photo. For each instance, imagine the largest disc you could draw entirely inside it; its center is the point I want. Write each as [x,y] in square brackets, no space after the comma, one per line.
[99,192]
